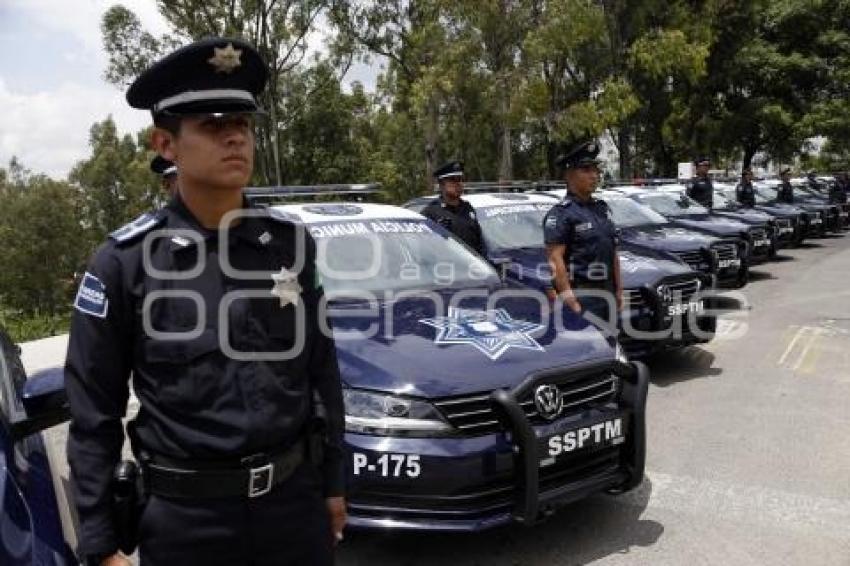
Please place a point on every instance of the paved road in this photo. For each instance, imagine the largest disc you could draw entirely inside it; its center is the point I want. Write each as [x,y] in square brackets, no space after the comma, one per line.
[749,453]
[749,448]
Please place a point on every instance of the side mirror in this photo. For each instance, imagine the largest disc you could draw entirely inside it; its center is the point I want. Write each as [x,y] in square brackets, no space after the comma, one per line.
[45,403]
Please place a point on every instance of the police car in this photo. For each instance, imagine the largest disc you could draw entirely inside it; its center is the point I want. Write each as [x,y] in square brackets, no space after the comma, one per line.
[680,210]
[31,530]
[791,223]
[641,226]
[779,230]
[660,290]
[468,403]
[824,218]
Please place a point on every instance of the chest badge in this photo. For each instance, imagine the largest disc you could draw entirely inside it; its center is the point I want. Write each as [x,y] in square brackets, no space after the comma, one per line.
[286,287]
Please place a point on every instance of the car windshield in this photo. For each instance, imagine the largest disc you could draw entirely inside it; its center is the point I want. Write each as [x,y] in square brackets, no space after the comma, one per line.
[722,201]
[626,213]
[513,226]
[374,256]
[671,205]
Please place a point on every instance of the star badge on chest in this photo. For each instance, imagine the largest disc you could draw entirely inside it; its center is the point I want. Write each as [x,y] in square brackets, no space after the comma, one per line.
[286,287]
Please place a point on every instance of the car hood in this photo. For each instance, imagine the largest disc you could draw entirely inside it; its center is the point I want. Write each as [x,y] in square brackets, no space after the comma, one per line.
[746,215]
[638,266]
[665,237]
[716,225]
[421,348]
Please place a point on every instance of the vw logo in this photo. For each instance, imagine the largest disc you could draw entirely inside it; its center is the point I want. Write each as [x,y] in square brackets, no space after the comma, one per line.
[665,293]
[548,401]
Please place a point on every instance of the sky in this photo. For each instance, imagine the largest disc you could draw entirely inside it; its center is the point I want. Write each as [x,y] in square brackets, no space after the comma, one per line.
[51,80]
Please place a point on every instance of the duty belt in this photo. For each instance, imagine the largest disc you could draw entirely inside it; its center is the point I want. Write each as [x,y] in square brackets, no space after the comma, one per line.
[253,476]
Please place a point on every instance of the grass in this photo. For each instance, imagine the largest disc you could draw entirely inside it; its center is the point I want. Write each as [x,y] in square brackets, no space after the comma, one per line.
[23,327]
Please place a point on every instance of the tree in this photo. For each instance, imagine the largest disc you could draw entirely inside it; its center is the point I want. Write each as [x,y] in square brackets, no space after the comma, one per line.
[278,29]
[43,244]
[115,184]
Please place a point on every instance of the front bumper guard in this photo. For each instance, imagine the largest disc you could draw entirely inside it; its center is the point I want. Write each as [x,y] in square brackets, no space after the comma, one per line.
[526,504]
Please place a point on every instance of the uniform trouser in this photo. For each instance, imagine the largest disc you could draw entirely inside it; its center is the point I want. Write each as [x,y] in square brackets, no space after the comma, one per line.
[287,526]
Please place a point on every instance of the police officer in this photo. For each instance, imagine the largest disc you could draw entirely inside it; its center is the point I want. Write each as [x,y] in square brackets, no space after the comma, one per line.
[581,241]
[837,194]
[744,192]
[700,187]
[451,211]
[786,189]
[167,172]
[213,308]
[812,179]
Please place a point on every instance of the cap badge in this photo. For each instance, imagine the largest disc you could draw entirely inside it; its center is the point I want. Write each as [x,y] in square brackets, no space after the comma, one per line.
[226,59]
[591,147]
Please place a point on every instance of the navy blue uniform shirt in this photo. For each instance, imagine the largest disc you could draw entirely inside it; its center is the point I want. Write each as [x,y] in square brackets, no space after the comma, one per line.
[588,232]
[701,190]
[197,403]
[786,193]
[745,194]
[460,220]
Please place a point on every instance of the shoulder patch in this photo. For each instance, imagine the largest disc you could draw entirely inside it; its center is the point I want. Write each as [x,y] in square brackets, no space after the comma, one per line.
[141,225]
[91,297]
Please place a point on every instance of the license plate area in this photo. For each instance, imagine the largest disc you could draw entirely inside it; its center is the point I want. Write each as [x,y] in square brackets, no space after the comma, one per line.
[557,443]
[680,309]
[726,263]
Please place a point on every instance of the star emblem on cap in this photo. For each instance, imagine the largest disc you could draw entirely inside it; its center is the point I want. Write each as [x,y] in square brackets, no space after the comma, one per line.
[226,59]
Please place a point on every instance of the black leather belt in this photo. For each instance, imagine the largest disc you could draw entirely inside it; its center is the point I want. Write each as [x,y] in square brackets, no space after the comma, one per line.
[255,475]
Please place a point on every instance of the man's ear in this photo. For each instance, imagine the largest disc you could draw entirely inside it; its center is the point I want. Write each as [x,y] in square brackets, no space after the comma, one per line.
[162,142]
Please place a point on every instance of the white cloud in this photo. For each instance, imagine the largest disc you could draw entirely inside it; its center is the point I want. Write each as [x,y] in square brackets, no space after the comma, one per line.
[48,131]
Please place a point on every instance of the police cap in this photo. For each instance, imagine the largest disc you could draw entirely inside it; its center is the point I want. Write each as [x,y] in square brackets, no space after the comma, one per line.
[211,75]
[162,166]
[785,171]
[450,169]
[702,160]
[580,155]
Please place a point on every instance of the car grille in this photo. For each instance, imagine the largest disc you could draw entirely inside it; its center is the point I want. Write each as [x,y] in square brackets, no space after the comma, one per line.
[692,258]
[633,298]
[725,250]
[757,234]
[683,290]
[474,414]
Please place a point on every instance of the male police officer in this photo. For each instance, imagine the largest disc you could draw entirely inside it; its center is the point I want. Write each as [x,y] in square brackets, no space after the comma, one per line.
[581,241]
[167,172]
[837,194]
[214,310]
[451,211]
[700,187]
[786,190]
[744,192]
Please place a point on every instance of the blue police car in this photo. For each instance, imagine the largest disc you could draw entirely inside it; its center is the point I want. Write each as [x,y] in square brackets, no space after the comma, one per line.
[753,241]
[825,217]
[659,289]
[644,228]
[470,402]
[791,223]
[30,526]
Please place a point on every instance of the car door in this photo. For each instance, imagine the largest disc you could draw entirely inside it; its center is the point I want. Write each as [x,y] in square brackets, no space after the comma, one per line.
[30,530]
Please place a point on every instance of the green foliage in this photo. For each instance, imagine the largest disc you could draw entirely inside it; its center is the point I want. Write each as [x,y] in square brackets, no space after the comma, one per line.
[43,245]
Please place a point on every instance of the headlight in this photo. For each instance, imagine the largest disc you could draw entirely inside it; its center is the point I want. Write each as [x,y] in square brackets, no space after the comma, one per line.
[381,414]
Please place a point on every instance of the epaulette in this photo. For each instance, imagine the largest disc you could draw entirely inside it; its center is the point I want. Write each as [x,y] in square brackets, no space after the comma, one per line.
[141,225]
